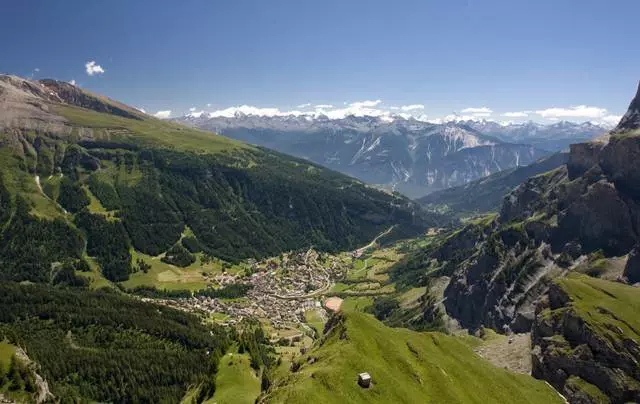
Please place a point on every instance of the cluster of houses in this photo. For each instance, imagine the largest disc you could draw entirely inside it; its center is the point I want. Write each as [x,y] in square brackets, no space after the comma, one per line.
[282,289]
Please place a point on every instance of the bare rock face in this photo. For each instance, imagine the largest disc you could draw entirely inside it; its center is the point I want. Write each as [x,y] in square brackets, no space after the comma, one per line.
[582,157]
[498,286]
[531,196]
[69,94]
[632,269]
[620,162]
[599,219]
[631,120]
[24,106]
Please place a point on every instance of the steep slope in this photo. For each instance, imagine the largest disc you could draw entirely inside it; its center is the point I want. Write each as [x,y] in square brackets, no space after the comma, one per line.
[508,271]
[631,120]
[586,340]
[486,194]
[405,366]
[407,155]
[107,347]
[66,151]
[546,226]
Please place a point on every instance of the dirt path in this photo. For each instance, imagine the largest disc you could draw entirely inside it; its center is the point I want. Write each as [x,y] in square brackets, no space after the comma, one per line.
[375,240]
[511,352]
[39,185]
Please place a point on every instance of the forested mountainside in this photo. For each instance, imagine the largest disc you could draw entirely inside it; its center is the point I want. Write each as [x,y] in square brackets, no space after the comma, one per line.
[89,185]
[485,194]
[406,155]
[507,271]
[84,175]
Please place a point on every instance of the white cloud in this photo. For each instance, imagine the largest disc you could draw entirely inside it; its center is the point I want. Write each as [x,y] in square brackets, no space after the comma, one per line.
[365,104]
[519,114]
[195,114]
[436,121]
[142,110]
[412,107]
[480,116]
[482,111]
[611,119]
[356,110]
[208,105]
[324,106]
[37,69]
[251,110]
[192,109]
[579,111]
[163,114]
[308,104]
[93,68]
[72,82]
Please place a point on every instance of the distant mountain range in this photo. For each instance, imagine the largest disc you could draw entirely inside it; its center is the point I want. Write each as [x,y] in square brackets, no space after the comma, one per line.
[486,194]
[554,137]
[406,155]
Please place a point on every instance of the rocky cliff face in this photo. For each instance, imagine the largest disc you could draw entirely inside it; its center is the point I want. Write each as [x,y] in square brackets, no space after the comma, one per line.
[585,345]
[631,120]
[65,93]
[544,228]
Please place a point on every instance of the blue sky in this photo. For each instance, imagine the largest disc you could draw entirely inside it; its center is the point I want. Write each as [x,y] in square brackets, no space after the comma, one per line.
[447,55]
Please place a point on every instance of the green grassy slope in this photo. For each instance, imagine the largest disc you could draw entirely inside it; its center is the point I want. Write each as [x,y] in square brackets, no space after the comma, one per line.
[611,308]
[149,131]
[236,382]
[406,367]
[6,352]
[590,335]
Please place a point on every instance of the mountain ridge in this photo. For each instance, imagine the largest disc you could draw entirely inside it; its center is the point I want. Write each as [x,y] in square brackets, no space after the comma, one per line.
[153,179]
[408,155]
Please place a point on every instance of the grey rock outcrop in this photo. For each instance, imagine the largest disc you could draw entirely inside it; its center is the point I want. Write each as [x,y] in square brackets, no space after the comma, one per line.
[632,268]
[582,157]
[566,345]
[631,120]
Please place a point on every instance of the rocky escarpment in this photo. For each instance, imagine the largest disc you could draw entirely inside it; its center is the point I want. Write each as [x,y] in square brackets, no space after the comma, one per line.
[60,91]
[591,204]
[497,283]
[631,120]
[632,269]
[585,345]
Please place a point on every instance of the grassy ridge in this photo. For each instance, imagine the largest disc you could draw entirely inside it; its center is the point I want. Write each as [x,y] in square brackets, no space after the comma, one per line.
[596,301]
[149,131]
[406,367]
[236,382]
